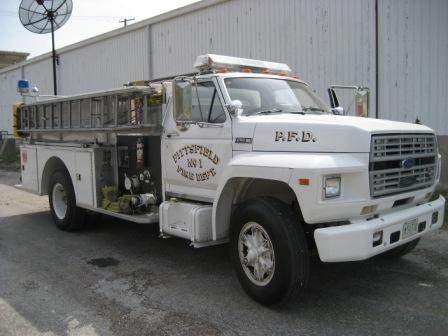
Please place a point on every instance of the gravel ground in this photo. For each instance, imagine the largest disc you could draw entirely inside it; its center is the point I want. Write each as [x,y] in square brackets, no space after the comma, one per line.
[119,278]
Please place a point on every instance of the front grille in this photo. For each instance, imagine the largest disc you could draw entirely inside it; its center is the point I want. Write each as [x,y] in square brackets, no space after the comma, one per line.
[401,162]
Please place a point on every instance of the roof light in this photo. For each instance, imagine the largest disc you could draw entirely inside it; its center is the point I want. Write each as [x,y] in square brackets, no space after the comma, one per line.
[210,62]
[23,86]
[246,70]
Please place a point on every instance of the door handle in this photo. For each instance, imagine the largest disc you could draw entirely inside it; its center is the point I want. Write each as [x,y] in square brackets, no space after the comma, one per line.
[172,134]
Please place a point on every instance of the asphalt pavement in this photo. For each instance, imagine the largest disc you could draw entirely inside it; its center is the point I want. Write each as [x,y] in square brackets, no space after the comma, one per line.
[119,278]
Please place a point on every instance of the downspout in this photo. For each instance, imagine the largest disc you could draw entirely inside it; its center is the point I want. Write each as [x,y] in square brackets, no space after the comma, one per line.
[376,62]
[149,51]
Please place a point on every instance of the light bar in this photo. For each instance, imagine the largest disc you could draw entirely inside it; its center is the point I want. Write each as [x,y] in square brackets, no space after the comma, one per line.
[210,62]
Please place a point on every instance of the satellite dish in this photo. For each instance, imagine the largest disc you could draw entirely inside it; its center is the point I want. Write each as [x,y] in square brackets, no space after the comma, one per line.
[43,17]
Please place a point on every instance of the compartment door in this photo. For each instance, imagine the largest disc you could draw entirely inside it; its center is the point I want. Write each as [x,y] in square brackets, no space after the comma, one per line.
[83,179]
[28,160]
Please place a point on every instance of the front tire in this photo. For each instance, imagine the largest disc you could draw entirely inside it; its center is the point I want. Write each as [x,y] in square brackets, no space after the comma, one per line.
[269,251]
[66,215]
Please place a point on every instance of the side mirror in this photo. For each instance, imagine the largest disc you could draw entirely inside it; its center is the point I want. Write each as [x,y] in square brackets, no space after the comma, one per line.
[182,99]
[362,102]
[235,107]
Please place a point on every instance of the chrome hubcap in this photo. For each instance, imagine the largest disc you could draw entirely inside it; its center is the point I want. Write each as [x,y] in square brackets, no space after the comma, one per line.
[256,253]
[59,200]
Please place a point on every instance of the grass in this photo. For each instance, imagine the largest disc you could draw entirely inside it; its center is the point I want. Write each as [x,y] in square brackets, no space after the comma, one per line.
[10,161]
[10,158]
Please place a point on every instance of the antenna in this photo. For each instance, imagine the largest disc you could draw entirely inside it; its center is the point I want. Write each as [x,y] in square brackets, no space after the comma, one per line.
[43,17]
[125,21]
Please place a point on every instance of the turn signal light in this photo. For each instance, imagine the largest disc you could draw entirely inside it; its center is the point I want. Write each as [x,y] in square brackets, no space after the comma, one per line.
[304,181]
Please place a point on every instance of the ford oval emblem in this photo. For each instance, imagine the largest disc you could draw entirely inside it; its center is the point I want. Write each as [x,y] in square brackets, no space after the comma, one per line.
[408,163]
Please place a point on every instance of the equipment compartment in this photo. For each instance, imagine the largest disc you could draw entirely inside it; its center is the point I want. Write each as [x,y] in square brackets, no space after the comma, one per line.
[129,175]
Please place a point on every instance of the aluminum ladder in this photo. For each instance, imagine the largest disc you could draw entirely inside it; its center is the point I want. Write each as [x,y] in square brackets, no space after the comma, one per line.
[126,108]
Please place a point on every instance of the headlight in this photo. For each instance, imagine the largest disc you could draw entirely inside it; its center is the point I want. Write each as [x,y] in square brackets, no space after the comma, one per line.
[332,186]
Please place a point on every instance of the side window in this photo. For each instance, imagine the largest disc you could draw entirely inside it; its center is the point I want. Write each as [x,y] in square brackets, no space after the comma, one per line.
[206,105]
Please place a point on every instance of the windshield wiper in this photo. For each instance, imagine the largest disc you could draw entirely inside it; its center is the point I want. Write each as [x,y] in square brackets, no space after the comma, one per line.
[297,112]
[311,108]
[270,111]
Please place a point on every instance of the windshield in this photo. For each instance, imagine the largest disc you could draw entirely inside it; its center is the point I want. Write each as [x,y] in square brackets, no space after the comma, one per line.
[269,95]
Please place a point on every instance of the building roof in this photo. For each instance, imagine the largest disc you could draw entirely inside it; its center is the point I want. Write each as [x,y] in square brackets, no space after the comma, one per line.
[11,57]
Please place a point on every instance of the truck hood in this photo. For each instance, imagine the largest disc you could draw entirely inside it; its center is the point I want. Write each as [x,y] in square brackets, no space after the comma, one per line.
[315,133]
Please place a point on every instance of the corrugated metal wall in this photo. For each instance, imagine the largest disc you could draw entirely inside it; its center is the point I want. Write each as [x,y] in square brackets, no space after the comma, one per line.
[413,61]
[105,64]
[326,42]
[319,39]
[40,74]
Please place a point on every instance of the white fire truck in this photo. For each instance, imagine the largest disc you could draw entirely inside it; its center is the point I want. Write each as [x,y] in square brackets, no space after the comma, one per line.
[240,152]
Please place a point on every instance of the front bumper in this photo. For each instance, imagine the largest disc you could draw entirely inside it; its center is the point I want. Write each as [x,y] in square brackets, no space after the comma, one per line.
[355,241]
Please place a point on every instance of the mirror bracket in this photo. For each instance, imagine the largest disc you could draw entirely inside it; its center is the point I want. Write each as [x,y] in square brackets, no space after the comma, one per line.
[338,110]
[362,100]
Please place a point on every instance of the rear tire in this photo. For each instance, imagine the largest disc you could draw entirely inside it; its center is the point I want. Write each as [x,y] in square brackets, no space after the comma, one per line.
[66,215]
[269,251]
[401,250]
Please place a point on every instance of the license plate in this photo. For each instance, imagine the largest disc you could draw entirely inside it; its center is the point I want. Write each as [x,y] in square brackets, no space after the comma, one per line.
[410,228]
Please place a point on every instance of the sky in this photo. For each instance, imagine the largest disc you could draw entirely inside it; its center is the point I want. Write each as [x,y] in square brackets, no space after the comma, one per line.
[89,18]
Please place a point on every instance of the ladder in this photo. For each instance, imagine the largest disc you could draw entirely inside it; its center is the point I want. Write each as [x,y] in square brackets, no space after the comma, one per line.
[127,108]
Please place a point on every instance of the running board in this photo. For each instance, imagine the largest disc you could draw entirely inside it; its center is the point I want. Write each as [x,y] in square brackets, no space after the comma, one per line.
[148,218]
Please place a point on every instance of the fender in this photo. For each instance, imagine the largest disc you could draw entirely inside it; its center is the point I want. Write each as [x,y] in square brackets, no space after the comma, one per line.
[76,161]
[247,165]
[47,168]
[288,168]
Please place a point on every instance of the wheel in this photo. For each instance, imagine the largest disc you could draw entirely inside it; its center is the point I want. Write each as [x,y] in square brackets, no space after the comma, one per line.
[66,215]
[269,251]
[401,250]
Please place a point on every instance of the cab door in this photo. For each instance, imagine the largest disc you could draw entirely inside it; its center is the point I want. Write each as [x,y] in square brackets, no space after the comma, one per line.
[197,140]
